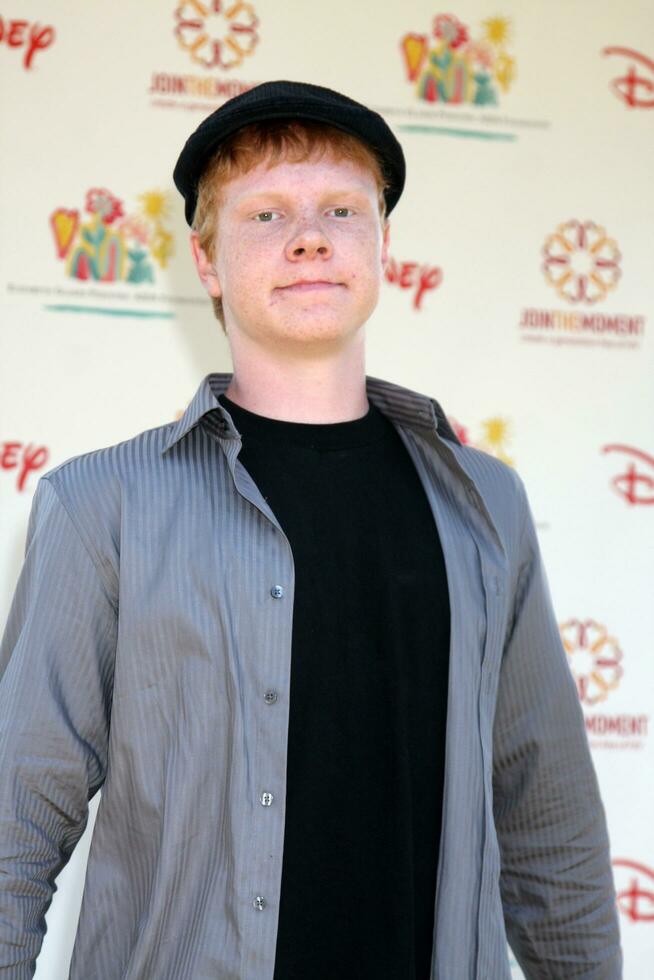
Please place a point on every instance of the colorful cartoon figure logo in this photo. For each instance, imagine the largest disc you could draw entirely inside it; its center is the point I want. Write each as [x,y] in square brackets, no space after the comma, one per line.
[458,69]
[495,434]
[594,658]
[217,34]
[581,262]
[111,246]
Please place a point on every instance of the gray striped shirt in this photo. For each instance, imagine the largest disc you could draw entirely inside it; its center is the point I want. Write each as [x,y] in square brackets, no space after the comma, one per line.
[148,652]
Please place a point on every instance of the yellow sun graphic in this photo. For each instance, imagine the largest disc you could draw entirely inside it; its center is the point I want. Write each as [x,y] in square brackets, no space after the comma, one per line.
[155,204]
[496,433]
[497,30]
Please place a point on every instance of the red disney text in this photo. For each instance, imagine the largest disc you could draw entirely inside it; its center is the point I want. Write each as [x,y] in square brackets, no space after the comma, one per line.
[22,34]
[636,87]
[23,458]
[634,892]
[636,482]
[409,275]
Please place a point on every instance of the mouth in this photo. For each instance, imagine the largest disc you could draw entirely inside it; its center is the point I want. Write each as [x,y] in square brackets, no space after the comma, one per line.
[310,286]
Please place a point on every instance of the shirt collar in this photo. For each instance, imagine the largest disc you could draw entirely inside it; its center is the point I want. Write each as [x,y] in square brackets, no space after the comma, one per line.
[402,405]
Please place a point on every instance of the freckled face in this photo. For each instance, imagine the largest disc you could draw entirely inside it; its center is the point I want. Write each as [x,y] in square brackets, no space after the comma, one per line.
[299,251]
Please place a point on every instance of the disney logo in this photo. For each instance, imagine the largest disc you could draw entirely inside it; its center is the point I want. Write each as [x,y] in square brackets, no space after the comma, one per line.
[636,487]
[637,91]
[636,901]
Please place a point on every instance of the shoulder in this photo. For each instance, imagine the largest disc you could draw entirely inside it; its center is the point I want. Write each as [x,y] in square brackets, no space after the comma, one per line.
[99,473]
[90,487]
[501,489]
[500,484]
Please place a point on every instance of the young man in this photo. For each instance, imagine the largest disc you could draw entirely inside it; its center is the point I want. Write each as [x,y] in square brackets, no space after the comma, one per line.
[302,637]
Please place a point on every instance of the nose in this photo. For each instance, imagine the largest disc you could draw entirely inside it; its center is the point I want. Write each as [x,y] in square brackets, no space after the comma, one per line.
[309,241]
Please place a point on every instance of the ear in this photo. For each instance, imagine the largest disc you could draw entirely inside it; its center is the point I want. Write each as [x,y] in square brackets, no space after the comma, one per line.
[206,269]
[385,244]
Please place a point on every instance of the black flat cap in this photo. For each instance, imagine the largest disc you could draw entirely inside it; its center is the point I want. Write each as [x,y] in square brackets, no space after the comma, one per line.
[288,100]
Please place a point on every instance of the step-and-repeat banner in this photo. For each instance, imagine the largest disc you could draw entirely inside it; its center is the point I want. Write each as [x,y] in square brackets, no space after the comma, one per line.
[519,291]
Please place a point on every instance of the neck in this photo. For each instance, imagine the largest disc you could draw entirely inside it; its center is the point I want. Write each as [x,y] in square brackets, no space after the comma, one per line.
[321,388]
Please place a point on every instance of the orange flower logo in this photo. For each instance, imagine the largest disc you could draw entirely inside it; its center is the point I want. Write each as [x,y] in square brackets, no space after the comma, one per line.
[594,659]
[581,262]
[217,34]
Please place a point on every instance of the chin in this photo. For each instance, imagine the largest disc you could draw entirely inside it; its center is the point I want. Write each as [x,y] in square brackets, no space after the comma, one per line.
[316,327]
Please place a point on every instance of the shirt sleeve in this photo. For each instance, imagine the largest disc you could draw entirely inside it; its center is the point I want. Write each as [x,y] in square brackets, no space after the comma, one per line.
[56,678]
[556,880]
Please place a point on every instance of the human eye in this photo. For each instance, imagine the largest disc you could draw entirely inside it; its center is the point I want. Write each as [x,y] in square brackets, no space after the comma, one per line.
[341,212]
[266,216]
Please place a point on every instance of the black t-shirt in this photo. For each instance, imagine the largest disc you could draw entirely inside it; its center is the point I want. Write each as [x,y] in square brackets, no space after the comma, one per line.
[368,696]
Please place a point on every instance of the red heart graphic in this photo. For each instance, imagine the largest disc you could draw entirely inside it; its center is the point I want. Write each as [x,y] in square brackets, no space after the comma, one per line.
[64,225]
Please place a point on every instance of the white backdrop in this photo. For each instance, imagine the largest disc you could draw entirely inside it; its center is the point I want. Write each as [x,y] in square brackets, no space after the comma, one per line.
[520,292]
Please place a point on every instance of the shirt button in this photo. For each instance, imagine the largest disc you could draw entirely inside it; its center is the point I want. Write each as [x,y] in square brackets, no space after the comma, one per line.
[266,799]
[259,903]
[270,697]
[277,591]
